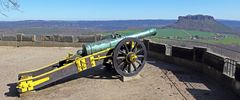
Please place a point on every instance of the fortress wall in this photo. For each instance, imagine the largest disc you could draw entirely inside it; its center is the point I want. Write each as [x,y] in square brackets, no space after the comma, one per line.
[98,37]
[38,37]
[9,38]
[88,38]
[237,72]
[204,61]
[57,38]
[214,60]
[54,38]
[30,38]
[198,53]
[69,38]
[19,37]
[160,48]
[1,37]
[47,38]
[40,44]
[183,52]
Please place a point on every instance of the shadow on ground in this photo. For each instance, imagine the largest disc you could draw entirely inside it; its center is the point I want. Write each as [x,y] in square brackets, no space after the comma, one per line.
[98,72]
[212,91]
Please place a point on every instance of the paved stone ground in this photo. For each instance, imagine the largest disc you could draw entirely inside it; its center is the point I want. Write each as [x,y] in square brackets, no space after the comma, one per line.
[159,81]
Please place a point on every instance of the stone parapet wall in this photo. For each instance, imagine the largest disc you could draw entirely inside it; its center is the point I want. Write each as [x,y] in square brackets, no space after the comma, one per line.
[200,59]
[54,38]
[46,40]
[9,38]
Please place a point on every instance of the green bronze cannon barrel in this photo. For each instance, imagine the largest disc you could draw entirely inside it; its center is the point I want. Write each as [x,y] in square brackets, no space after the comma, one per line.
[91,48]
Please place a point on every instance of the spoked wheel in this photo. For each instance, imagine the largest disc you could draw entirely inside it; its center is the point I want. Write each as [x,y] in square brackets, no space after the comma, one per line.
[129,57]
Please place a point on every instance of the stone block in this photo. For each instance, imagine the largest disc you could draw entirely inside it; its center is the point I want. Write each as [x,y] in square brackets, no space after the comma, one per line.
[9,38]
[182,52]
[156,47]
[125,79]
[66,38]
[237,72]
[19,37]
[1,36]
[47,38]
[28,37]
[86,38]
[214,60]
[198,53]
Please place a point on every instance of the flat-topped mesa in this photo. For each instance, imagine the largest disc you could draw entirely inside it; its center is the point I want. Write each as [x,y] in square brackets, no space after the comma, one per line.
[200,23]
[196,17]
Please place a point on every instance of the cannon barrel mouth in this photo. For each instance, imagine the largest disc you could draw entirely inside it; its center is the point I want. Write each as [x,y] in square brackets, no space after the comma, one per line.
[144,34]
[154,33]
[80,52]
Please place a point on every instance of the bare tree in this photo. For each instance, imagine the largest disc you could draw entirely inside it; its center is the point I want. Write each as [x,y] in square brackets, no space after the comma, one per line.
[6,5]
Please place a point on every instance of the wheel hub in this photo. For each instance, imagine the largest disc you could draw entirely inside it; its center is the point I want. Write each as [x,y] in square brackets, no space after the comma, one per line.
[131,57]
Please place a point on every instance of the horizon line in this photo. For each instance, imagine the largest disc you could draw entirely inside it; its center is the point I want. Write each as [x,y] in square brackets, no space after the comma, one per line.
[102,20]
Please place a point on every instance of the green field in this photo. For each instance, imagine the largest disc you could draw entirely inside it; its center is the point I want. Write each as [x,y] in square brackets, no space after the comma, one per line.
[172,33]
[229,40]
[180,34]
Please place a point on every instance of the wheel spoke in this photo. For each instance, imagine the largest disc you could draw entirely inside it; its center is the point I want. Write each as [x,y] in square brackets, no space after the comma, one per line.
[129,68]
[139,62]
[134,66]
[124,67]
[127,50]
[122,52]
[122,62]
[135,47]
[140,56]
[139,51]
[121,58]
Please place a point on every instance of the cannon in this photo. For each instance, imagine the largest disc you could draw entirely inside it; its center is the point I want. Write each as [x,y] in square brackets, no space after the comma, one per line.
[125,54]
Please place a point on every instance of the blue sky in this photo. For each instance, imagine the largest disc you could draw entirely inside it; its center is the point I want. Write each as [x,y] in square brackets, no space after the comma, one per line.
[122,9]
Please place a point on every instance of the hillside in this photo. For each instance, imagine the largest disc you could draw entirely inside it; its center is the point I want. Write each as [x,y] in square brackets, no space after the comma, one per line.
[181,34]
[201,23]
[231,23]
[76,27]
[90,27]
